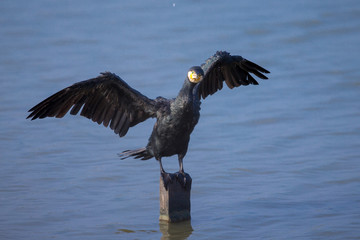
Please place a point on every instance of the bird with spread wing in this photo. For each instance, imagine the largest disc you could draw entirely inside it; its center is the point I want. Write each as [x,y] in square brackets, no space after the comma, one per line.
[109,100]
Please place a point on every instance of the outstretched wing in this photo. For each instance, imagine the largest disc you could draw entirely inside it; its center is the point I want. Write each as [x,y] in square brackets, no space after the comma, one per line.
[105,99]
[234,70]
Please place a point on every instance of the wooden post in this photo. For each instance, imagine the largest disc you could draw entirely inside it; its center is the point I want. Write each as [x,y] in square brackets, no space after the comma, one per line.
[175,199]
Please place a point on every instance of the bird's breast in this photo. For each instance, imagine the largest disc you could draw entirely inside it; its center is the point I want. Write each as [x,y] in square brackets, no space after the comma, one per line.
[171,133]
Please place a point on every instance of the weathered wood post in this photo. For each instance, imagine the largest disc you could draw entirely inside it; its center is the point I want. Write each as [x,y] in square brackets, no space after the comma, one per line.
[175,198]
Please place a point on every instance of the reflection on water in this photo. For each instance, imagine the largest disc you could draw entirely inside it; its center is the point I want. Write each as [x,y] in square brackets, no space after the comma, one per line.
[169,231]
[175,231]
[121,231]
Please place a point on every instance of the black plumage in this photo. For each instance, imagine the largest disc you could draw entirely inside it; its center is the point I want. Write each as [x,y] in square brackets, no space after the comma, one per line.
[109,100]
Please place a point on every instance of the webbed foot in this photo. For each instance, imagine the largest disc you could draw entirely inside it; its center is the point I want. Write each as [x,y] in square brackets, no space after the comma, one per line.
[167,178]
[184,179]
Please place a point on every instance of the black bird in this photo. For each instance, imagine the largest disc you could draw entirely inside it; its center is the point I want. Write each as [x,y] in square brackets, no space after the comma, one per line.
[109,100]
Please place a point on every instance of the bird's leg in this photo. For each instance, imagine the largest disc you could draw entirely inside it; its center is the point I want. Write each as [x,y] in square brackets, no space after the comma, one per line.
[181,165]
[166,177]
[161,166]
[182,177]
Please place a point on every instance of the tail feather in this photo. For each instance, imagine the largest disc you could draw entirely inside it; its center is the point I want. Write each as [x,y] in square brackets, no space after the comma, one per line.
[141,153]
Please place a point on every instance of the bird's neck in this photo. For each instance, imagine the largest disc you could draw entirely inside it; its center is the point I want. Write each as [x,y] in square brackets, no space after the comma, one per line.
[186,92]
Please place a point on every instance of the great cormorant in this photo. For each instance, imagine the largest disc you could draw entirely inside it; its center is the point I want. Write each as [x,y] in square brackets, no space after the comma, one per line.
[109,100]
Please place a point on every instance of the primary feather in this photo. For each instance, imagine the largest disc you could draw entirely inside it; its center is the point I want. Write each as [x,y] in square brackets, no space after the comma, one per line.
[233,70]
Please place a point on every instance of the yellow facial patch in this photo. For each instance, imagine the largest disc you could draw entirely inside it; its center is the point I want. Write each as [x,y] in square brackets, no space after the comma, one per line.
[193,77]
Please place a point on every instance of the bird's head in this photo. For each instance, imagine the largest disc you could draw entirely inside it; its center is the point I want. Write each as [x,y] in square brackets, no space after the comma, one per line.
[195,74]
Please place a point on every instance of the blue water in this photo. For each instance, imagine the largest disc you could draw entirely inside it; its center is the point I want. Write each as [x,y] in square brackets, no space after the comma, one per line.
[274,161]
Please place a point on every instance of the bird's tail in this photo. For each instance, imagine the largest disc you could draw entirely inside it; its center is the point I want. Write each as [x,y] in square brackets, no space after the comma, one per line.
[141,153]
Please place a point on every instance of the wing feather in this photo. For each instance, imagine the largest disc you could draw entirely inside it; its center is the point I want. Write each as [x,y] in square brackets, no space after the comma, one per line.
[109,114]
[233,70]
[228,78]
[99,111]
[106,99]
[125,123]
[235,75]
[213,82]
[252,80]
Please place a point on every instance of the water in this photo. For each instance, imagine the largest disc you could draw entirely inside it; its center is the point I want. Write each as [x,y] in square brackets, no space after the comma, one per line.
[275,161]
